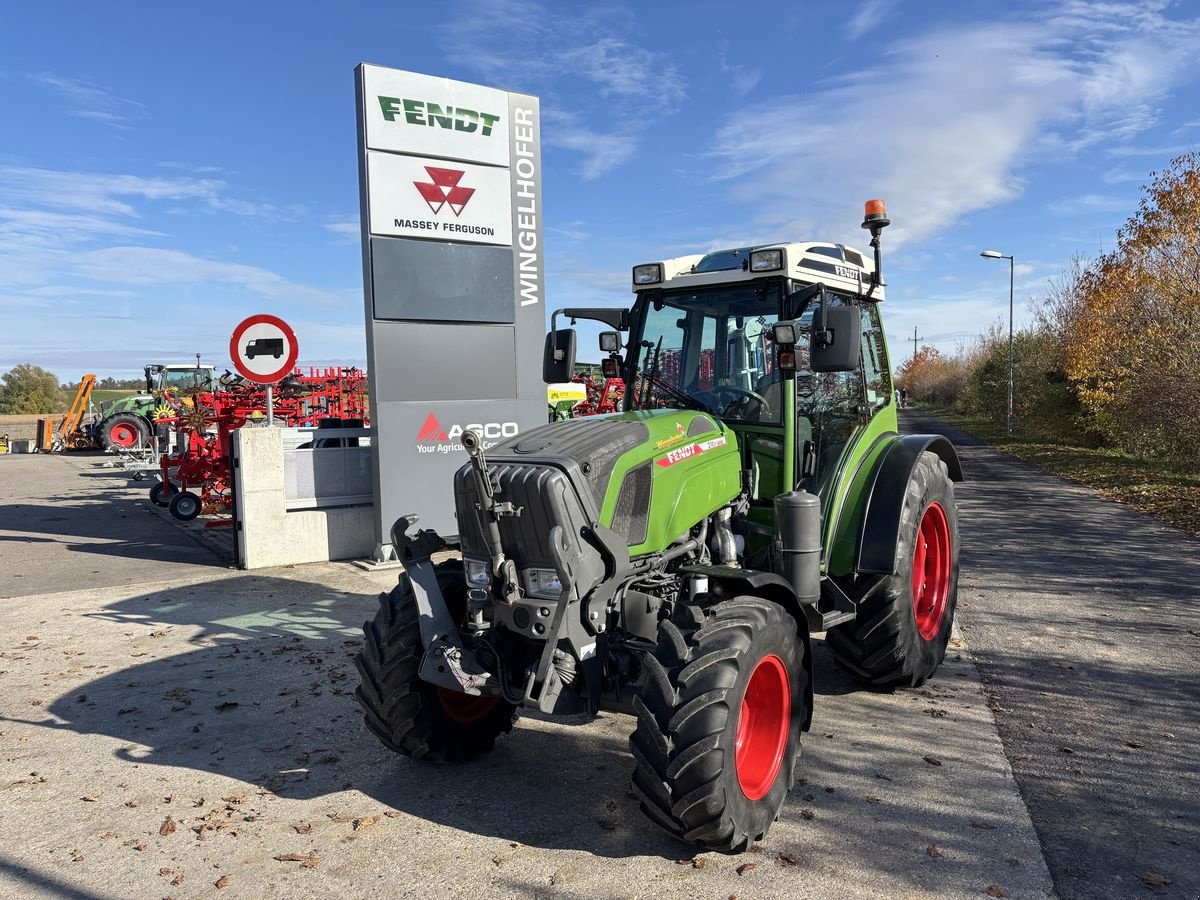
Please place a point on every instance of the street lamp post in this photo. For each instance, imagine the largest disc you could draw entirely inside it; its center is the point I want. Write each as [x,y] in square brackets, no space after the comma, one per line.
[996,254]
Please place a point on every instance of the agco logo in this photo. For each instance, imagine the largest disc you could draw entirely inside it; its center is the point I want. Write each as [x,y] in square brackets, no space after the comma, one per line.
[434,115]
[433,438]
[443,190]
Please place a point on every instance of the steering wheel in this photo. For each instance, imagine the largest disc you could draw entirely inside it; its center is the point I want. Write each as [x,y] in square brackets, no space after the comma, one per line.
[742,404]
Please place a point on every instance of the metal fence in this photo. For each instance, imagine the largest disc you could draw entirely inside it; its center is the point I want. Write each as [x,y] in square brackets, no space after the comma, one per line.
[325,467]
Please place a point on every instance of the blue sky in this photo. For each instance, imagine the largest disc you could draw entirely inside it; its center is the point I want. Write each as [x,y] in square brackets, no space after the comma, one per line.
[167,170]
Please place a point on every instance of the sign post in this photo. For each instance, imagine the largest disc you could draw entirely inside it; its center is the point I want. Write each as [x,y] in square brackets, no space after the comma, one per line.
[451,213]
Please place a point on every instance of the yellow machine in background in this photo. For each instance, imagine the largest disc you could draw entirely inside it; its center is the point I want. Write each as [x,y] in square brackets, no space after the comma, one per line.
[72,435]
[564,397]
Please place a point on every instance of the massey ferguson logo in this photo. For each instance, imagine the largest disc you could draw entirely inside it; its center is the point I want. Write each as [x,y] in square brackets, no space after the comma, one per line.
[443,190]
[433,438]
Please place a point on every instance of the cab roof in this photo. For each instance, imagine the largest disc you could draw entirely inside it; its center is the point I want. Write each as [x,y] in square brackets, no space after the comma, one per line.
[835,265]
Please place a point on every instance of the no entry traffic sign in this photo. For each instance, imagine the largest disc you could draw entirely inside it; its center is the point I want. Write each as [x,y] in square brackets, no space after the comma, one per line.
[263,349]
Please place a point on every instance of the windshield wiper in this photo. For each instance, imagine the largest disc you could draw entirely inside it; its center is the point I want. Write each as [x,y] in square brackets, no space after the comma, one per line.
[685,398]
[654,379]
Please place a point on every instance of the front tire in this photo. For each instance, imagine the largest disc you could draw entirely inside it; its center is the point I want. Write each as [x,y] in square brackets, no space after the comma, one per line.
[408,714]
[899,636]
[184,506]
[720,708]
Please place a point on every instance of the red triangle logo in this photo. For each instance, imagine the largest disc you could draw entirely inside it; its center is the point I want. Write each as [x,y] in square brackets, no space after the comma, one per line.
[431,431]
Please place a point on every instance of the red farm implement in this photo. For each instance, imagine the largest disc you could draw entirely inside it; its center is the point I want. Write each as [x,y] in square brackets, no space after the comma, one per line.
[604,395]
[196,477]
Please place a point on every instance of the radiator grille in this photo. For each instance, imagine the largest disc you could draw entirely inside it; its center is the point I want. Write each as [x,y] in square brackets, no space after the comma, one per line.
[632,514]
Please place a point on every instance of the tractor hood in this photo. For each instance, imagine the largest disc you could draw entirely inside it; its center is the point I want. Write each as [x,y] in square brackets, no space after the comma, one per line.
[648,475]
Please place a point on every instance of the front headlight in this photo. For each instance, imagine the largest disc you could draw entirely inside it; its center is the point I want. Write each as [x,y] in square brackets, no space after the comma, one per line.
[479,574]
[766,260]
[543,583]
[650,273]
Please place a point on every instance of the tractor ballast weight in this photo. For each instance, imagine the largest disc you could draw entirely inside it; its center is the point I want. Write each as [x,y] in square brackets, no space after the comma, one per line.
[677,555]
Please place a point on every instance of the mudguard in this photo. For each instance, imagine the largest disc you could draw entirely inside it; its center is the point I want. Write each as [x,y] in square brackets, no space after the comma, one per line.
[885,499]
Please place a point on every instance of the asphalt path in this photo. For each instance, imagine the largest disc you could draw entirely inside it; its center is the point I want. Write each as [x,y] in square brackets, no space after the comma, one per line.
[67,523]
[1082,615]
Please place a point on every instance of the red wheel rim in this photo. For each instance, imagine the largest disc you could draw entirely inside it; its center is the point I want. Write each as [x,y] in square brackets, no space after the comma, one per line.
[465,708]
[762,729]
[931,571]
[123,435]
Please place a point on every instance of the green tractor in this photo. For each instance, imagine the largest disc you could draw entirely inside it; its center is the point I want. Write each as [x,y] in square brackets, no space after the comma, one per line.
[676,557]
[128,422]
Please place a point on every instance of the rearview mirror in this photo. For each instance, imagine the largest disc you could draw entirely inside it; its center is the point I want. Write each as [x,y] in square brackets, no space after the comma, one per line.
[558,361]
[836,342]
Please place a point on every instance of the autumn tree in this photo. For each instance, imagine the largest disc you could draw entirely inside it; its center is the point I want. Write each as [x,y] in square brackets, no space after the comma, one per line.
[1134,352]
[30,389]
[930,377]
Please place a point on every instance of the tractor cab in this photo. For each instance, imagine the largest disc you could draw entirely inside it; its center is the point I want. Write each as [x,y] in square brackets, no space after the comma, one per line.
[782,343]
[179,378]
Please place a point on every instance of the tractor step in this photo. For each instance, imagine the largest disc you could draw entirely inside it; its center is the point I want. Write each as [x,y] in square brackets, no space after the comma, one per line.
[835,617]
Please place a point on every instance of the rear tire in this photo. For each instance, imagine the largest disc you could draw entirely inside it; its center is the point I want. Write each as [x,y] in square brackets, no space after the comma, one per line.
[896,640]
[412,716]
[720,708]
[124,431]
[161,493]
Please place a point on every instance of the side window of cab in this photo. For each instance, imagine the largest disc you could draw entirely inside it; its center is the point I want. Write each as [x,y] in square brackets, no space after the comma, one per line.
[876,377]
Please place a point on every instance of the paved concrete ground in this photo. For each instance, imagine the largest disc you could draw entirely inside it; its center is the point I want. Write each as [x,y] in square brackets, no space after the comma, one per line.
[67,522]
[156,739]
[1084,617]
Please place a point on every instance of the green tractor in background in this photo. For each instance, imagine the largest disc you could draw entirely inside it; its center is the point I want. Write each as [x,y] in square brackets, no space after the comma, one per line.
[128,422]
[680,553]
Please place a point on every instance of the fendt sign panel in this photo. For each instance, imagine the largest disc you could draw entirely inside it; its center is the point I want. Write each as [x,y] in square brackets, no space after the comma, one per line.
[450,195]
[413,196]
[405,112]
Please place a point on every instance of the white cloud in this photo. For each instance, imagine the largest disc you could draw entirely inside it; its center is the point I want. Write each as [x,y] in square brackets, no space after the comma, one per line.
[1087,204]
[95,192]
[942,124]
[152,266]
[104,194]
[523,45]
[869,16]
[347,229]
[742,79]
[87,100]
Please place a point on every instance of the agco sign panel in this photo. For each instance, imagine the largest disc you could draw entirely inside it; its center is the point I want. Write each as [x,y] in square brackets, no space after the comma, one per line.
[428,198]
[406,112]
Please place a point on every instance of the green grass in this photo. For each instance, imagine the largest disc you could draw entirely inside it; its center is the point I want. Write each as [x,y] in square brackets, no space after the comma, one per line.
[1161,489]
[99,396]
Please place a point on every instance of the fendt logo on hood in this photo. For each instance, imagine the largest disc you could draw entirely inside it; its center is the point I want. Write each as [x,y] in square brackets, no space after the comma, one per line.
[434,115]
[443,190]
[433,438]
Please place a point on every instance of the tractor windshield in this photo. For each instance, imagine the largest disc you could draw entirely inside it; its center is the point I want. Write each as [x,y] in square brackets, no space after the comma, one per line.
[185,379]
[711,350]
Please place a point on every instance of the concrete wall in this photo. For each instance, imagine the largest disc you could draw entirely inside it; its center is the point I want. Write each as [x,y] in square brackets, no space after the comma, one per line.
[269,535]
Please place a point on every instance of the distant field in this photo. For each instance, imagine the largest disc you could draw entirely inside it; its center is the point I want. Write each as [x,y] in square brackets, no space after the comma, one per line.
[99,396]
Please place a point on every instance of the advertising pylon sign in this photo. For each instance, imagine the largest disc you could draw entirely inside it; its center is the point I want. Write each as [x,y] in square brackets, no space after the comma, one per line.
[451,212]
